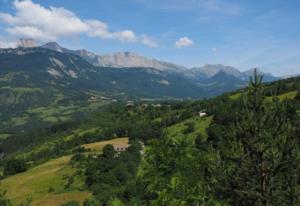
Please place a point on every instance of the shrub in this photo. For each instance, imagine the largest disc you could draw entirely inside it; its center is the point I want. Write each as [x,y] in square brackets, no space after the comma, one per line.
[14,166]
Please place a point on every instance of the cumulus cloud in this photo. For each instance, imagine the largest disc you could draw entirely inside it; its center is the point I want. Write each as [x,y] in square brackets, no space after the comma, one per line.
[148,41]
[32,20]
[183,42]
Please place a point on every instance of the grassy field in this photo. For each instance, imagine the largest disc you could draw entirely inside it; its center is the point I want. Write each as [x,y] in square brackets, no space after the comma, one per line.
[201,123]
[4,136]
[235,96]
[288,95]
[97,146]
[35,183]
[284,96]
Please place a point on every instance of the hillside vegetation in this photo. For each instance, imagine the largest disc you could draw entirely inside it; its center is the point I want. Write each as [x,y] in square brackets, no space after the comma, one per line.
[49,183]
[244,151]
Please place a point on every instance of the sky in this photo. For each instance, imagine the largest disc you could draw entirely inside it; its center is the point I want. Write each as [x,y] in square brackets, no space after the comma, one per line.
[244,34]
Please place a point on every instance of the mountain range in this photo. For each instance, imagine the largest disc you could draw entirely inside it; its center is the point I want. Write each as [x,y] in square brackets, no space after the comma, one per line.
[44,84]
[131,60]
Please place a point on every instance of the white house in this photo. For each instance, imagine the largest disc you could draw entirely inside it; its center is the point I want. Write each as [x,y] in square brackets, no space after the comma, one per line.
[121,147]
[202,114]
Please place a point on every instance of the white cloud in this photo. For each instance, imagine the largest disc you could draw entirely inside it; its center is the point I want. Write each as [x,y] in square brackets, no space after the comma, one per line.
[183,42]
[146,40]
[99,29]
[31,32]
[32,20]
[126,35]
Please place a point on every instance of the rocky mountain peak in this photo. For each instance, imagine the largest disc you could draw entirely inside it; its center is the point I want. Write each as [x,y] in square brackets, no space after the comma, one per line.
[53,46]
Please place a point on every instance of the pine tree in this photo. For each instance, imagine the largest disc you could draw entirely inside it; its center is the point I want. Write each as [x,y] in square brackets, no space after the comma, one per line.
[260,155]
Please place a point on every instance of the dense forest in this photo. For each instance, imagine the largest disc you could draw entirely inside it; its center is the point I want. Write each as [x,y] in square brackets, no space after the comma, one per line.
[248,154]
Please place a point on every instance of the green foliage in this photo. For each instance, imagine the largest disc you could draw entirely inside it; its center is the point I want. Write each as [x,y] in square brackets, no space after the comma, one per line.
[249,141]
[109,151]
[71,203]
[109,174]
[190,127]
[259,155]
[176,173]
[3,200]
[14,166]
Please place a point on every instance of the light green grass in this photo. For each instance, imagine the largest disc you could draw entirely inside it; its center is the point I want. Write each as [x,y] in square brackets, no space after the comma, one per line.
[288,95]
[284,96]
[4,136]
[17,121]
[51,144]
[235,96]
[23,89]
[35,184]
[201,123]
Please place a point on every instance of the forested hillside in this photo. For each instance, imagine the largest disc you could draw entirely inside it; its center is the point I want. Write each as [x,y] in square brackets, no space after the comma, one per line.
[243,151]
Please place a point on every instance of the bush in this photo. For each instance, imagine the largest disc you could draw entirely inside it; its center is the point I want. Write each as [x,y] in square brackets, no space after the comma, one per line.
[14,166]
[109,151]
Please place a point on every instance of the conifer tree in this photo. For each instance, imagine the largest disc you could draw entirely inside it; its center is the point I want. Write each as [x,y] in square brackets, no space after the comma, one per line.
[260,155]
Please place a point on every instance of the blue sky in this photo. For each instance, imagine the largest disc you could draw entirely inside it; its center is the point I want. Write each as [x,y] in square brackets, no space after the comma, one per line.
[240,33]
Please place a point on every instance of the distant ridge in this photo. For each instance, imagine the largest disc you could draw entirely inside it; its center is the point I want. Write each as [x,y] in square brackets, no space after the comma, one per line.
[118,60]
[131,60]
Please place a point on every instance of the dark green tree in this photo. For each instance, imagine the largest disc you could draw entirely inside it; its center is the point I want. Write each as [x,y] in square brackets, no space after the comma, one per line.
[109,151]
[14,166]
[259,154]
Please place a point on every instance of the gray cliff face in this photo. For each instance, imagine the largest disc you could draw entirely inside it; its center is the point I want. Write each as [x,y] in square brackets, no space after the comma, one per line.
[118,60]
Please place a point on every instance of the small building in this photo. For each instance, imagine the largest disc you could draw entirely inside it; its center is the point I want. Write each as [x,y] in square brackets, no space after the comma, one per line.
[121,147]
[202,114]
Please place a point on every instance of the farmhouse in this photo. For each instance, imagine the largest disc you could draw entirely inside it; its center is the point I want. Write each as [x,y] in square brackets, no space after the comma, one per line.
[121,147]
